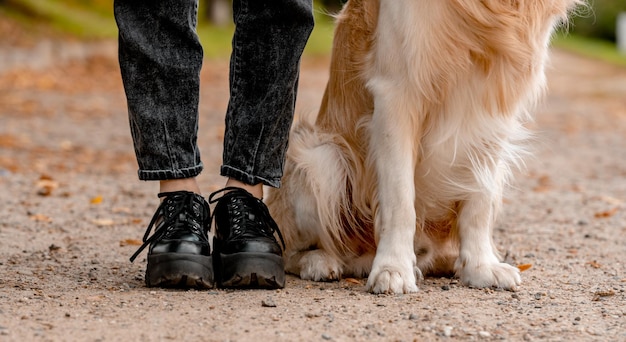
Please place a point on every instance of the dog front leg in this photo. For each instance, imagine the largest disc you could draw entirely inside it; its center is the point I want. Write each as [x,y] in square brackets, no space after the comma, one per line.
[478,264]
[391,149]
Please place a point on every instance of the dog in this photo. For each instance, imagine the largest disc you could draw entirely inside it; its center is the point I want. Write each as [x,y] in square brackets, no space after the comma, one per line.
[420,128]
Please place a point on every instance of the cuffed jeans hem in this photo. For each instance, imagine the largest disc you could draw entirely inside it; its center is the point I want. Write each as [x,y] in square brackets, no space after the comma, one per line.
[231,172]
[170,174]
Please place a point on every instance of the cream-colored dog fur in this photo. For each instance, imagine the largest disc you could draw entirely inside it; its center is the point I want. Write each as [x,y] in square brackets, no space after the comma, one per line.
[422,121]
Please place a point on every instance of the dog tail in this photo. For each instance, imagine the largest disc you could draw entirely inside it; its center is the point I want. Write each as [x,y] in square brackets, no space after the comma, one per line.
[329,167]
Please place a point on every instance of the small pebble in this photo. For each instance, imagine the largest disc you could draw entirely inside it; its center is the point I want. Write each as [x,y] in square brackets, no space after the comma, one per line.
[268,303]
[445,287]
[326,337]
[447,331]
[484,334]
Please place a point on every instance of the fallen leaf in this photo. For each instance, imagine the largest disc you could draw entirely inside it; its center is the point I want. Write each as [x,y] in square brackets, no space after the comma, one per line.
[605,214]
[594,264]
[353,281]
[544,184]
[40,217]
[45,177]
[524,267]
[103,222]
[130,242]
[96,200]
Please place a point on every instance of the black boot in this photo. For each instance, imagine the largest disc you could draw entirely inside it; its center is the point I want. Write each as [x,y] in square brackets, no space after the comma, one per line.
[179,253]
[246,253]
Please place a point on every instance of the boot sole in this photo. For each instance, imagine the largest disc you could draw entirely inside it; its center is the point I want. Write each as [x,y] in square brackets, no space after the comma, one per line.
[250,270]
[180,271]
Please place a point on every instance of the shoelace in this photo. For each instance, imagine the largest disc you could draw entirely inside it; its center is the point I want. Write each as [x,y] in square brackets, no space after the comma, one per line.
[243,196]
[180,200]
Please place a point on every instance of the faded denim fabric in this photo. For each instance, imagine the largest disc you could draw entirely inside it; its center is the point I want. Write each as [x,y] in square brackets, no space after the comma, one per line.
[160,58]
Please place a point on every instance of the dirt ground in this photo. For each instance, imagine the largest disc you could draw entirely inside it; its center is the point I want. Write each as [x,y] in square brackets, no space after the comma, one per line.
[72,212]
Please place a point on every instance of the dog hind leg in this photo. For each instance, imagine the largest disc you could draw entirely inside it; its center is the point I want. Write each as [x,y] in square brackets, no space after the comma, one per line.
[478,264]
[315,264]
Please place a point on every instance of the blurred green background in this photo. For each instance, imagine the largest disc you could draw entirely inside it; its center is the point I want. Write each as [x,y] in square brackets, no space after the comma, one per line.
[591,32]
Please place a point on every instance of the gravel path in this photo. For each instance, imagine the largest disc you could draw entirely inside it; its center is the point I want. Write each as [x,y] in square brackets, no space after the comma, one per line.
[73,210]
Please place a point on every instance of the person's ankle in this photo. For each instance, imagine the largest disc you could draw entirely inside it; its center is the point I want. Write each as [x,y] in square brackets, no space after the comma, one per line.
[183,184]
[254,190]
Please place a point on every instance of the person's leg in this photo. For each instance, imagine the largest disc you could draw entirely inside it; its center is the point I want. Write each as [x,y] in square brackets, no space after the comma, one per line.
[160,59]
[270,36]
[269,39]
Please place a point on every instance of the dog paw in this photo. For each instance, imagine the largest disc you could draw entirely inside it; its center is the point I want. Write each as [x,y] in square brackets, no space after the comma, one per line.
[493,274]
[392,279]
[317,265]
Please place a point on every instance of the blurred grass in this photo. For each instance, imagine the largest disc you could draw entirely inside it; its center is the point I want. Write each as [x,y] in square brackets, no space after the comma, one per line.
[593,48]
[216,41]
[93,19]
[65,16]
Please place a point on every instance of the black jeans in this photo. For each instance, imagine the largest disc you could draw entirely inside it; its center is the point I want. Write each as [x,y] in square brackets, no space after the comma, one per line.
[160,59]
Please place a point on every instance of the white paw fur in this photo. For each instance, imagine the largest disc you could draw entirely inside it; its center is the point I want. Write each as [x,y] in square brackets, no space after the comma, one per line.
[317,265]
[488,274]
[393,274]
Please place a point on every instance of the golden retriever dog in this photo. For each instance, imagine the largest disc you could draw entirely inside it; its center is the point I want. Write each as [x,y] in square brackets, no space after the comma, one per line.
[421,124]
